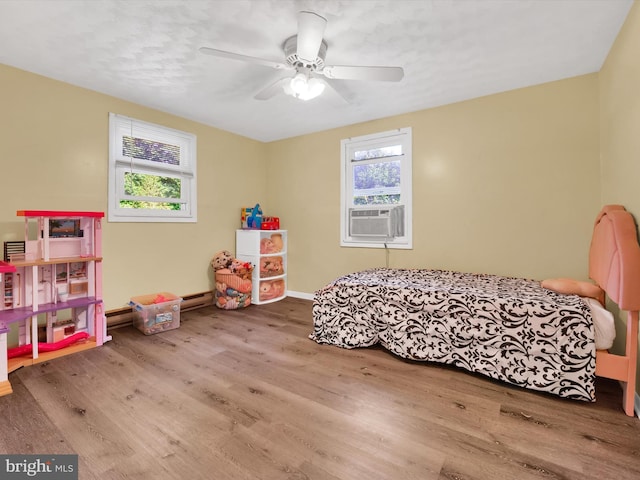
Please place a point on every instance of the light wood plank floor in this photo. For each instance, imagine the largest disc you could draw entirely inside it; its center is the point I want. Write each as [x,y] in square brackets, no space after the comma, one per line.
[246,395]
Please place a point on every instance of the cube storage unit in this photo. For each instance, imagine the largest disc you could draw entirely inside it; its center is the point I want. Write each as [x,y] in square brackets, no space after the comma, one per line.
[156,313]
[53,287]
[266,250]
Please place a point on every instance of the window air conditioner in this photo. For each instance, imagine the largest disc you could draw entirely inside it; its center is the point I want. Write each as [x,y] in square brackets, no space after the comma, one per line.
[382,221]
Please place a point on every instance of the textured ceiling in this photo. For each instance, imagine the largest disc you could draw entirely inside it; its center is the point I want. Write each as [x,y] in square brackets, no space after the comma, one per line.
[451,50]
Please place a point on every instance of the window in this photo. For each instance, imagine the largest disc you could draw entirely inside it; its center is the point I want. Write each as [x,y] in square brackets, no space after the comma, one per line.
[152,172]
[376,190]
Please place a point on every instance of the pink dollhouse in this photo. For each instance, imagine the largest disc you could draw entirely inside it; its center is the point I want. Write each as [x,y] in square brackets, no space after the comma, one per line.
[52,293]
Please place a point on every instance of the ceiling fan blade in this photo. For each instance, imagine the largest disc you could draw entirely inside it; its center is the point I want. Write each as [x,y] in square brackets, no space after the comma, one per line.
[336,97]
[273,89]
[345,72]
[244,58]
[310,31]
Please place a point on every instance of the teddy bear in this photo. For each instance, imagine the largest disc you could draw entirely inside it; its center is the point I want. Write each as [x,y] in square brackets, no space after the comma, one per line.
[221,260]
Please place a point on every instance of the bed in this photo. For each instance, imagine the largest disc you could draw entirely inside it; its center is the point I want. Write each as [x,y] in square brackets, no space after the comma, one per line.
[509,329]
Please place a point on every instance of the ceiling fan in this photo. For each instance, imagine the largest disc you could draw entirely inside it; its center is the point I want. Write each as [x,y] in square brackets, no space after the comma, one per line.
[304,55]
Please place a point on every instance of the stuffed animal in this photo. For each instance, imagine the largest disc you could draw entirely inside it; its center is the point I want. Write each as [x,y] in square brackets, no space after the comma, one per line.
[271,266]
[241,268]
[238,283]
[273,244]
[233,281]
[271,289]
[230,299]
[221,260]
[266,245]
[278,243]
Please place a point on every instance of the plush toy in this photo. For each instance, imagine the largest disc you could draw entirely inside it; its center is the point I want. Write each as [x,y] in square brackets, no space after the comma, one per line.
[271,289]
[278,243]
[240,268]
[266,245]
[271,266]
[233,281]
[221,260]
[237,283]
[273,244]
[229,299]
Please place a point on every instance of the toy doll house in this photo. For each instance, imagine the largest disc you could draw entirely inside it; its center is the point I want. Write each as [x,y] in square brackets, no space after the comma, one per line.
[52,293]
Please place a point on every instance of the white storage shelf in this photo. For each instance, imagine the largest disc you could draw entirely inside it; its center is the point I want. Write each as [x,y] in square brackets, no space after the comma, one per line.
[266,250]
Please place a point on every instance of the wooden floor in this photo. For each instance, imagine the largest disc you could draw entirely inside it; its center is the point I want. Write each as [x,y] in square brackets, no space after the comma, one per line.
[246,395]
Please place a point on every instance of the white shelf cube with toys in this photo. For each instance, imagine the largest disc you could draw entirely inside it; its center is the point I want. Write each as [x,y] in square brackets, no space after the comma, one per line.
[267,251]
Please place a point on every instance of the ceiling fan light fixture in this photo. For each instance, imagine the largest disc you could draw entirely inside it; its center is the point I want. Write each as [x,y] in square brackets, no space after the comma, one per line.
[303,87]
[314,88]
[299,84]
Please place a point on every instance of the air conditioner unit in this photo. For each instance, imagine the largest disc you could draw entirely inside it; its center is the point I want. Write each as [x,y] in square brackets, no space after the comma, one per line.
[382,221]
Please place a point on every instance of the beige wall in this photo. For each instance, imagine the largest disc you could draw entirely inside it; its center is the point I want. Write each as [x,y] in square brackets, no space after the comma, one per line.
[506,184]
[619,82]
[54,141]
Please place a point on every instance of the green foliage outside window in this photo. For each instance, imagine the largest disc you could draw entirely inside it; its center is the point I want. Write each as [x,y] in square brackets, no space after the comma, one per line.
[144,185]
[376,183]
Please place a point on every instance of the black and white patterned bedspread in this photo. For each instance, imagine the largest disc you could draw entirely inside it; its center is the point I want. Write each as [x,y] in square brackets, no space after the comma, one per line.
[510,329]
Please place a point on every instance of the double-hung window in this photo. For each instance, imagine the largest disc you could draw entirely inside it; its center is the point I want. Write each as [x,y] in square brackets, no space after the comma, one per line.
[376,199]
[152,172]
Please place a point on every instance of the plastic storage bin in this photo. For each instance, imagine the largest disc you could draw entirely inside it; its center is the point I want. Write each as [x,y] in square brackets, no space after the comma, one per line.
[156,313]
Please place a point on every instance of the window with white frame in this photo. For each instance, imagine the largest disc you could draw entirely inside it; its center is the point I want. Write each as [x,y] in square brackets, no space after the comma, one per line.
[376,199]
[152,172]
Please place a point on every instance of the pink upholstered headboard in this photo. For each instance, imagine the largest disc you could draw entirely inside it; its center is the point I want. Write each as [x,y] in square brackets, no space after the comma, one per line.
[614,256]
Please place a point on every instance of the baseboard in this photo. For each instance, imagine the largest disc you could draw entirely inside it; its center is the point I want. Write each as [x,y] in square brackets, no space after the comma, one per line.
[636,405]
[303,295]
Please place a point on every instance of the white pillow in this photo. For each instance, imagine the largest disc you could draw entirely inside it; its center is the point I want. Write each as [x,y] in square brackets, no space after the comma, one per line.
[603,322]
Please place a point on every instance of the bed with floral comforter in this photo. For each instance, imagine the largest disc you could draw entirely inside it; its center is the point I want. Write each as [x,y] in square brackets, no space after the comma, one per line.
[509,329]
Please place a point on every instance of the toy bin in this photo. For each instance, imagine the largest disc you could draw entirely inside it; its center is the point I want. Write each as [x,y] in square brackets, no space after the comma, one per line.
[156,313]
[233,290]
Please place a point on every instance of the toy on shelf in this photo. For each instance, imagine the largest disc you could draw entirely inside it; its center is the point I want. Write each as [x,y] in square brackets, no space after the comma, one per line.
[233,281]
[270,223]
[251,217]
